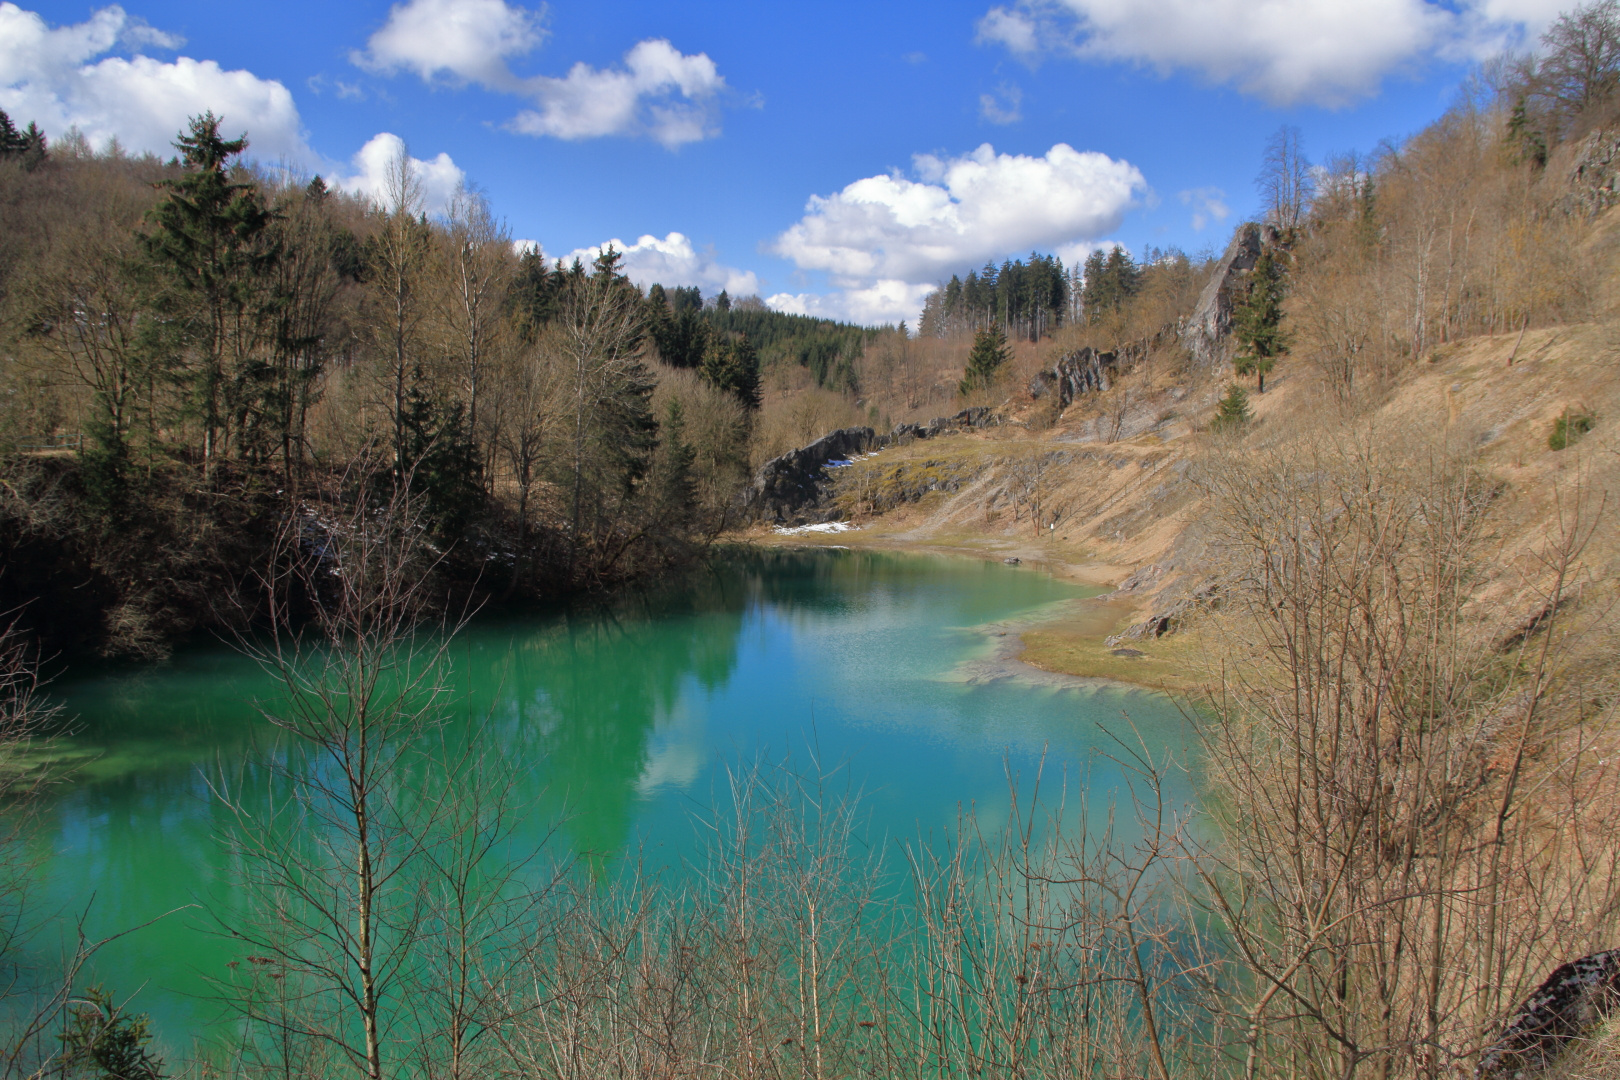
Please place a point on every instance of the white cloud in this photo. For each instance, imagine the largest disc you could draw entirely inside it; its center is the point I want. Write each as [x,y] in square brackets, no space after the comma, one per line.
[1208,204]
[1075,254]
[467,40]
[885,240]
[440,177]
[1328,52]
[1009,27]
[881,302]
[1001,107]
[51,76]
[673,261]
[960,212]
[659,92]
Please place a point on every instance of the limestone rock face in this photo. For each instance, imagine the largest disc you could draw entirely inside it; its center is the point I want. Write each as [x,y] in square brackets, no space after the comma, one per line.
[1211,321]
[1575,998]
[1076,373]
[788,484]
[1595,174]
[791,489]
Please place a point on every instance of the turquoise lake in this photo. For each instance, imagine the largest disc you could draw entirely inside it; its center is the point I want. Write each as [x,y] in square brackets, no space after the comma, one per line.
[622,718]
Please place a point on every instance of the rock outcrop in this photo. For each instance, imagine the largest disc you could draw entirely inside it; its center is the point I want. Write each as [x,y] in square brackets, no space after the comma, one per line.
[1076,373]
[1594,176]
[792,488]
[1575,998]
[789,484]
[1208,327]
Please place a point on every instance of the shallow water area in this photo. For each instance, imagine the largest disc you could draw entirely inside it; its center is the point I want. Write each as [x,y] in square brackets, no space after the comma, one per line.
[623,719]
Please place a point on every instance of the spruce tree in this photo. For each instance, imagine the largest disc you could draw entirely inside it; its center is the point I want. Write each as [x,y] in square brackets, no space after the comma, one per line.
[1233,411]
[732,366]
[1257,321]
[989,353]
[206,248]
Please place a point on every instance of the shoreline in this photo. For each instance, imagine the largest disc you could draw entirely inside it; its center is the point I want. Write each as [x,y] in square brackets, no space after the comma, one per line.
[1063,646]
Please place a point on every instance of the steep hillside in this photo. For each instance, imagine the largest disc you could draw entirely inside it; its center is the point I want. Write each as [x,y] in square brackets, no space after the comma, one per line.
[1118,491]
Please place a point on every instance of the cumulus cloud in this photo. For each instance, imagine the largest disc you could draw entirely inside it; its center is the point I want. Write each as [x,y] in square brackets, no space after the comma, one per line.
[959,212]
[440,177]
[885,240]
[1328,52]
[1208,204]
[673,261]
[464,40]
[53,76]
[657,91]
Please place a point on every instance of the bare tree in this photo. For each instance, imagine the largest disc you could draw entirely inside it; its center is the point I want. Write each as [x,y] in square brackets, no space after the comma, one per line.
[1580,67]
[401,248]
[1285,183]
[1376,749]
[330,869]
[479,270]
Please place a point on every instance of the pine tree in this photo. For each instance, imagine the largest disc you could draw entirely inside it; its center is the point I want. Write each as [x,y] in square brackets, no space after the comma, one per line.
[1257,321]
[990,351]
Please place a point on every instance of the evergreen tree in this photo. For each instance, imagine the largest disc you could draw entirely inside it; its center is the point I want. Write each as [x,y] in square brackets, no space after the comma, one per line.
[206,248]
[100,1040]
[535,294]
[27,147]
[678,331]
[686,298]
[1257,321]
[733,367]
[990,351]
[1111,279]
[441,459]
[673,491]
[1233,411]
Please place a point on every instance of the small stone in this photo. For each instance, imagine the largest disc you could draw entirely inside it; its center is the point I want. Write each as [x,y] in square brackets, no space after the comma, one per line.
[1128,652]
[1012,560]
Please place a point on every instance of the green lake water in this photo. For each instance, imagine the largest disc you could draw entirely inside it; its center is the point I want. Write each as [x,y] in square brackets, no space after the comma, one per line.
[625,714]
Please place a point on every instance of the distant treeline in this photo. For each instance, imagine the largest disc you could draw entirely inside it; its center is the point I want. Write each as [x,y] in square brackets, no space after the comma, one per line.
[722,337]
[1032,299]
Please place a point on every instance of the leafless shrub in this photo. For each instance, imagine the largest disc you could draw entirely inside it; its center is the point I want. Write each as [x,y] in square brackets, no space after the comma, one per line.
[1401,850]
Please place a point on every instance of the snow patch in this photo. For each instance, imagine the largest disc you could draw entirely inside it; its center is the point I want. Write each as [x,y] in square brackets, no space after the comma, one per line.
[825,527]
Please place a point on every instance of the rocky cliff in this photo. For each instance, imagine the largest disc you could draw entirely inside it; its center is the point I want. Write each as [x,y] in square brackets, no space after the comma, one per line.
[792,489]
[1206,330]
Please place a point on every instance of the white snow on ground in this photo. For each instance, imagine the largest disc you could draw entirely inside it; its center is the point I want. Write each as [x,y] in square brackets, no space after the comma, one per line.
[826,527]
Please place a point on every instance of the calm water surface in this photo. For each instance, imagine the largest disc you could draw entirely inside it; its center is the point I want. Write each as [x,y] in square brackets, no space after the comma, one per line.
[627,716]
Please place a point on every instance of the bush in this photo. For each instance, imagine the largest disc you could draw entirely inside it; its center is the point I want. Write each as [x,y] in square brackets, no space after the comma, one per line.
[1567,430]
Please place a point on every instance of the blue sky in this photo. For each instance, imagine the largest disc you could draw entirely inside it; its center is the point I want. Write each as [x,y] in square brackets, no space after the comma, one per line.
[837,158]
